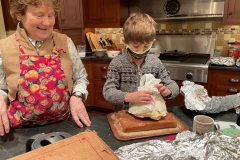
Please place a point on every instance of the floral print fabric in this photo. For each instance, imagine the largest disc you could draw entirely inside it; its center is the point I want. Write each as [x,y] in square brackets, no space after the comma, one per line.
[42,95]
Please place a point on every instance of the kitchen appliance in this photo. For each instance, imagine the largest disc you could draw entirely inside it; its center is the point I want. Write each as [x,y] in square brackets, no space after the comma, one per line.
[42,139]
[186,57]
[179,9]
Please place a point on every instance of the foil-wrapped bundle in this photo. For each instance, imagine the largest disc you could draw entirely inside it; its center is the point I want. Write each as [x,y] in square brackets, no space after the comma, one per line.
[186,146]
[225,61]
[196,98]
[238,62]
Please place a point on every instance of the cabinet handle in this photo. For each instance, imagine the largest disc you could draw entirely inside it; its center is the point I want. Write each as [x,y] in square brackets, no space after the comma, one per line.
[230,13]
[233,90]
[234,80]
[63,20]
[103,68]
[104,77]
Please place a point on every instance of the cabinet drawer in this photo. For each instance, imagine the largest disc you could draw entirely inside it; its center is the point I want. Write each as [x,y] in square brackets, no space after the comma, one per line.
[98,96]
[100,71]
[222,90]
[231,79]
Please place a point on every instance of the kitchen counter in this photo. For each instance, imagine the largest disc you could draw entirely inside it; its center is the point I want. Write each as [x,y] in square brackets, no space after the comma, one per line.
[95,58]
[211,66]
[219,67]
[13,144]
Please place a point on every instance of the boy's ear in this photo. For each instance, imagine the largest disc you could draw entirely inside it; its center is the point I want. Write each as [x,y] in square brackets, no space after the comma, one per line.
[123,40]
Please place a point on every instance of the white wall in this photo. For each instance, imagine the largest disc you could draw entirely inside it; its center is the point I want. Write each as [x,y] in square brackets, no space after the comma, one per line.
[2,26]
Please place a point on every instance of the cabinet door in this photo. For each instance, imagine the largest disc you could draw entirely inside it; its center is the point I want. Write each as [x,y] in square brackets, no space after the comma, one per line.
[70,15]
[101,13]
[224,82]
[231,12]
[99,70]
[87,65]
[221,90]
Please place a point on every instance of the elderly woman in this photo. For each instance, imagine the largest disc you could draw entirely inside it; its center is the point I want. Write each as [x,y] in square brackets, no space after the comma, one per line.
[42,80]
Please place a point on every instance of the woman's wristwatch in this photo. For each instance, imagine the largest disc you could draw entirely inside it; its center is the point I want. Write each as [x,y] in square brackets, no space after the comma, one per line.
[79,95]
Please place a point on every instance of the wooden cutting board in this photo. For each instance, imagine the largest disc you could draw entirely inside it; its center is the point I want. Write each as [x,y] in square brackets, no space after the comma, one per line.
[95,40]
[120,135]
[90,42]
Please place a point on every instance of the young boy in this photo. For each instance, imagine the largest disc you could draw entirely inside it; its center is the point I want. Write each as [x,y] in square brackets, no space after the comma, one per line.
[126,70]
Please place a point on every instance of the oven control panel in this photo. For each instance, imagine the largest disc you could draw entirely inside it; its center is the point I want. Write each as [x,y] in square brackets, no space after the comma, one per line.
[187,73]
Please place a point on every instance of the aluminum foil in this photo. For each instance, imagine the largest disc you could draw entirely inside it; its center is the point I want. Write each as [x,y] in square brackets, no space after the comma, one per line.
[186,146]
[226,61]
[196,98]
[238,62]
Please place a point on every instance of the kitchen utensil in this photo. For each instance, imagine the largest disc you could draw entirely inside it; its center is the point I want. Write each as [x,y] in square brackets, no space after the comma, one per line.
[100,42]
[175,53]
[103,42]
[203,124]
[95,40]
[112,44]
[112,54]
[89,41]
[42,139]
[100,52]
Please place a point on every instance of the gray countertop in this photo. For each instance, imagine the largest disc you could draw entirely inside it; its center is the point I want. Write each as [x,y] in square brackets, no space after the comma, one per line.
[211,66]
[14,143]
[228,68]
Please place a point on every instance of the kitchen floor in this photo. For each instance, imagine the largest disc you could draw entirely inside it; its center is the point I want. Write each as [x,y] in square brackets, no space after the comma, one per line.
[96,111]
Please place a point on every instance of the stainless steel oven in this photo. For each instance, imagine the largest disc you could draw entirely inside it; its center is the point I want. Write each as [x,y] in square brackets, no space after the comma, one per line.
[186,57]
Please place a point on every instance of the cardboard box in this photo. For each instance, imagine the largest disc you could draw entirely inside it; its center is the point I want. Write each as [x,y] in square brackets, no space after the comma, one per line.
[83,146]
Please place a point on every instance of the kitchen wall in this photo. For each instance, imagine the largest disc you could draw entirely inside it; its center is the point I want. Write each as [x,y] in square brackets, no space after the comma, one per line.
[2,26]
[224,34]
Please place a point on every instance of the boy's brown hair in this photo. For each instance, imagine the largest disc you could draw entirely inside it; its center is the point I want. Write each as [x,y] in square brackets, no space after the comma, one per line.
[139,27]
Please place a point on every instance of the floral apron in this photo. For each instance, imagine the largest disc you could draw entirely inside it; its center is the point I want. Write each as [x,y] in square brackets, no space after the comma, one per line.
[42,92]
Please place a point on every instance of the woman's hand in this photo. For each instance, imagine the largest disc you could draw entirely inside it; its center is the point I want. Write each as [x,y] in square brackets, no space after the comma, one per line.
[79,112]
[4,121]
[164,91]
[139,97]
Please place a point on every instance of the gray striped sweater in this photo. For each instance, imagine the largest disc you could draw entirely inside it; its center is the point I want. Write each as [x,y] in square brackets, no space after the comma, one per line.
[124,77]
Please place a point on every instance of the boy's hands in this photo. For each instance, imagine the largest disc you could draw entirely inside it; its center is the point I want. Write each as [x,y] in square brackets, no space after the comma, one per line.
[144,97]
[163,90]
[139,97]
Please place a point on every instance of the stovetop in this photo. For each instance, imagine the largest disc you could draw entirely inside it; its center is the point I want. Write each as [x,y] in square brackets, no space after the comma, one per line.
[191,58]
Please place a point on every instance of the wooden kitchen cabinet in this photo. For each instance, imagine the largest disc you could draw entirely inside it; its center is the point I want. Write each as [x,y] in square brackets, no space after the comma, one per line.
[87,65]
[224,82]
[231,12]
[70,20]
[104,13]
[70,15]
[99,74]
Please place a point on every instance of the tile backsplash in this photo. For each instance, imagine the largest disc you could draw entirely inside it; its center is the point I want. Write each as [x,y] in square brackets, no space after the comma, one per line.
[223,33]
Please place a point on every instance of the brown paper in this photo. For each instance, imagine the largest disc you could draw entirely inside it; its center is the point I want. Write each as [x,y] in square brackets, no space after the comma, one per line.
[83,146]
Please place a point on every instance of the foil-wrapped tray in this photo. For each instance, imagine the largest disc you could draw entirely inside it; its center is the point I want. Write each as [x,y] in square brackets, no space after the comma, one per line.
[238,62]
[196,99]
[187,146]
[225,61]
